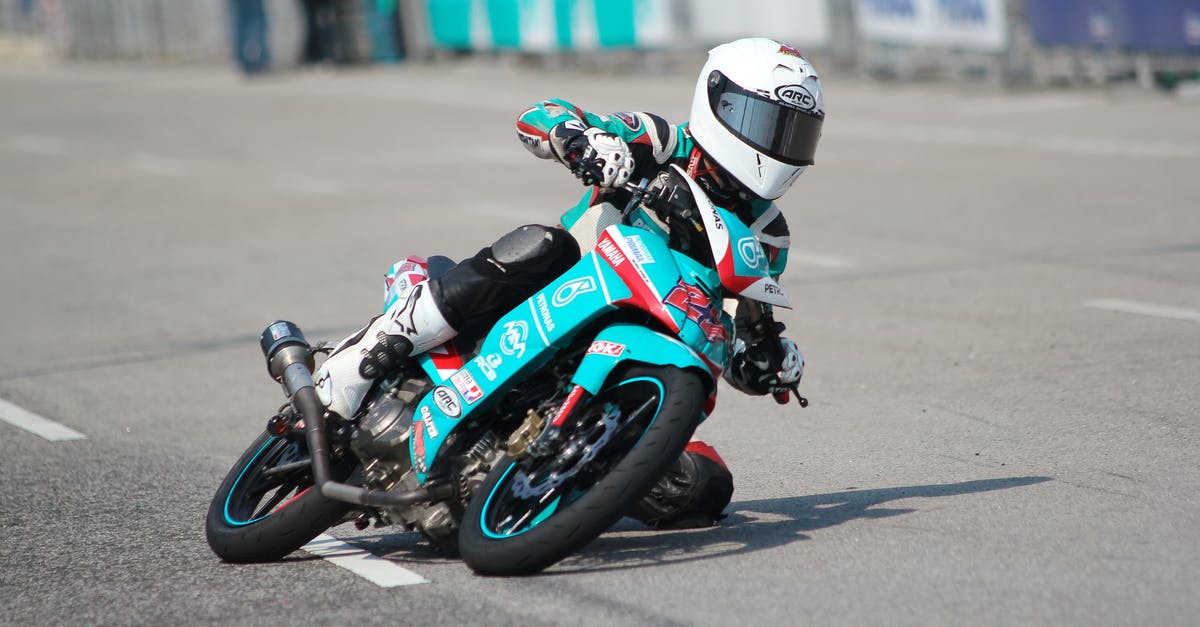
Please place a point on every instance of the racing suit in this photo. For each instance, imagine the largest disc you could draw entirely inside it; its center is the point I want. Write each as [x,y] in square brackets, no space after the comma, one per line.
[427,306]
[655,145]
[699,485]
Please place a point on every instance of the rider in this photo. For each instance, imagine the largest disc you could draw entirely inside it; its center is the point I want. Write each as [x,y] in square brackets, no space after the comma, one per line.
[755,120]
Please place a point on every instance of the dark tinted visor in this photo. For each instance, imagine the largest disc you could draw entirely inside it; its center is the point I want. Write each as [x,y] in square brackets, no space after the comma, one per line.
[779,131]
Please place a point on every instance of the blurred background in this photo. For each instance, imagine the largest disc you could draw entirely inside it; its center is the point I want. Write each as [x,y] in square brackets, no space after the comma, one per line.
[994,263]
[1001,41]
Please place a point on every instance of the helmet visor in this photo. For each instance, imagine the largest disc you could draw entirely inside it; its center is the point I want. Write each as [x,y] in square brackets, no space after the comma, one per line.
[779,131]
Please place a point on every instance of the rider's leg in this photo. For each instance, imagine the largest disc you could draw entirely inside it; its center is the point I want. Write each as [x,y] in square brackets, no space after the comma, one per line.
[693,492]
[479,290]
[471,294]
[413,324]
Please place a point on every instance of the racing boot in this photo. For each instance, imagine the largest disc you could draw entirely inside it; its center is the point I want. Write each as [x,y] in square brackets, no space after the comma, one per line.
[693,493]
[412,325]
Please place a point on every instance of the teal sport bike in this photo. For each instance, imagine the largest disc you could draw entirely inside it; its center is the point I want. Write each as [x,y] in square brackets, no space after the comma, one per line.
[519,447]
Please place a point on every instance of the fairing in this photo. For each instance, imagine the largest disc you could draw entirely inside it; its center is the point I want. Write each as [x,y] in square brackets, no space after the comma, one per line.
[739,257]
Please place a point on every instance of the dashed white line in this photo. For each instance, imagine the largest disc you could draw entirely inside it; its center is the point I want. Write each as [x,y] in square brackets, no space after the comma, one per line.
[1144,309]
[381,572]
[35,424]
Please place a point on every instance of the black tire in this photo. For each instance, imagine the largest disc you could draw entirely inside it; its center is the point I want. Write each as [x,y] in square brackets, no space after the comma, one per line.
[259,518]
[595,498]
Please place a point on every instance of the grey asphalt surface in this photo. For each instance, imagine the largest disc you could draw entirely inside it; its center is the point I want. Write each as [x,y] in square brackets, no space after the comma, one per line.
[982,448]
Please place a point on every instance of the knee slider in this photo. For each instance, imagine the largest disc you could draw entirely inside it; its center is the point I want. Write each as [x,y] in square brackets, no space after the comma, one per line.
[534,249]
[525,245]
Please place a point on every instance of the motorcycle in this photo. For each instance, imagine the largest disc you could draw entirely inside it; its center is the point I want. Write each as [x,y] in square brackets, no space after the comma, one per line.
[522,446]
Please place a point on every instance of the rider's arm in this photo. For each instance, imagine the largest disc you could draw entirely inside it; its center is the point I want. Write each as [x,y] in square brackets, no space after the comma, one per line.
[762,361]
[548,126]
[750,370]
[770,227]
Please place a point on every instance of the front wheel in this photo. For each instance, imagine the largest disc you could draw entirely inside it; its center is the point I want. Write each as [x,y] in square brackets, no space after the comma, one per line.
[266,507]
[532,513]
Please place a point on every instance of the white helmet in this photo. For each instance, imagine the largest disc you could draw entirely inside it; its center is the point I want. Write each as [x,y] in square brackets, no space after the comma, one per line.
[757,112]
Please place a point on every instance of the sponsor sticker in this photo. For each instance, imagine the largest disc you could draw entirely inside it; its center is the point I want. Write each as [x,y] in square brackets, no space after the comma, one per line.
[512,341]
[751,252]
[611,252]
[465,384]
[718,223]
[447,401]
[699,308]
[797,96]
[790,51]
[427,418]
[533,141]
[278,330]
[608,349]
[418,446]
[638,250]
[631,121]
[543,308]
[555,110]
[487,364]
[569,290]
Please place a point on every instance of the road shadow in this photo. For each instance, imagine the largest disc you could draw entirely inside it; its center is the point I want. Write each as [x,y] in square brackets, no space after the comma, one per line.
[760,525]
[751,526]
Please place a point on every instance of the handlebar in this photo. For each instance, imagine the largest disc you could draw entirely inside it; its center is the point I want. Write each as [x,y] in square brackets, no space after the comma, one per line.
[764,333]
[658,201]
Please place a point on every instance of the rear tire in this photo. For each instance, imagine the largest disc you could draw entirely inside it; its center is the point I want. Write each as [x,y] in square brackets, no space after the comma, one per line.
[259,518]
[594,499]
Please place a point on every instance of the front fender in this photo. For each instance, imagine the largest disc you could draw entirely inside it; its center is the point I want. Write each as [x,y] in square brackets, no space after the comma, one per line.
[629,342]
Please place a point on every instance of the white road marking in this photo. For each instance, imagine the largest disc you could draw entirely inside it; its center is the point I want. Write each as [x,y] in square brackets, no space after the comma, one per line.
[1144,309]
[816,259]
[39,145]
[381,572]
[35,424]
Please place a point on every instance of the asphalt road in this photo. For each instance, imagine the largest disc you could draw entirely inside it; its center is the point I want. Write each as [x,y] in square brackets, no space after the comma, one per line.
[997,294]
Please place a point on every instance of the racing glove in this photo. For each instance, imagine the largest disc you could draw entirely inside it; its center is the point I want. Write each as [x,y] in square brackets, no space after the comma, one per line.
[593,155]
[750,371]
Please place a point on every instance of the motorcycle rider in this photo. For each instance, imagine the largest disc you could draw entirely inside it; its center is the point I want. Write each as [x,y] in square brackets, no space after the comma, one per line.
[755,121]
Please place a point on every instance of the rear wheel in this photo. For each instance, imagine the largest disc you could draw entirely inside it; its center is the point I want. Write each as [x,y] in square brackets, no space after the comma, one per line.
[531,513]
[266,507]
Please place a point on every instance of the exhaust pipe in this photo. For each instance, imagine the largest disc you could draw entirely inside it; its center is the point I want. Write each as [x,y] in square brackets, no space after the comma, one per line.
[290,363]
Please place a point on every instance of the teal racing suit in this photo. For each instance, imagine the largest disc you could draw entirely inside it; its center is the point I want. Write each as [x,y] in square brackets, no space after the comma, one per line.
[655,144]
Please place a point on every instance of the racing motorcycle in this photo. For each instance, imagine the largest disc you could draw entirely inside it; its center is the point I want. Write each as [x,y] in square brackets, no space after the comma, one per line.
[521,446]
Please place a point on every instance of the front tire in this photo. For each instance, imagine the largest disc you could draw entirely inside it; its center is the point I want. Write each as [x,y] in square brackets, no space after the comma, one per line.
[506,530]
[258,517]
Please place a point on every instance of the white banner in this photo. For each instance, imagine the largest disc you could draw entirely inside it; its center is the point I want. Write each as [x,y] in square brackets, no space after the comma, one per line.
[971,24]
[801,23]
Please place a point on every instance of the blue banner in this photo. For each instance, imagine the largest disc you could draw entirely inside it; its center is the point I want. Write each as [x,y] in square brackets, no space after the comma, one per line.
[1160,25]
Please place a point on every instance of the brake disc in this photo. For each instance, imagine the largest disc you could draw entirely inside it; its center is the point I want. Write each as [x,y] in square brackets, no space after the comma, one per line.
[575,455]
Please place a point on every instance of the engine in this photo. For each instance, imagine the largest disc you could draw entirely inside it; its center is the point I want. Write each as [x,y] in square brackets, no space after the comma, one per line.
[381,443]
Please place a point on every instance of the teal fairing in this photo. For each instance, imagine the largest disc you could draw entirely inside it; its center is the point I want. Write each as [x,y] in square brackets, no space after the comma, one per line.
[630,268]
